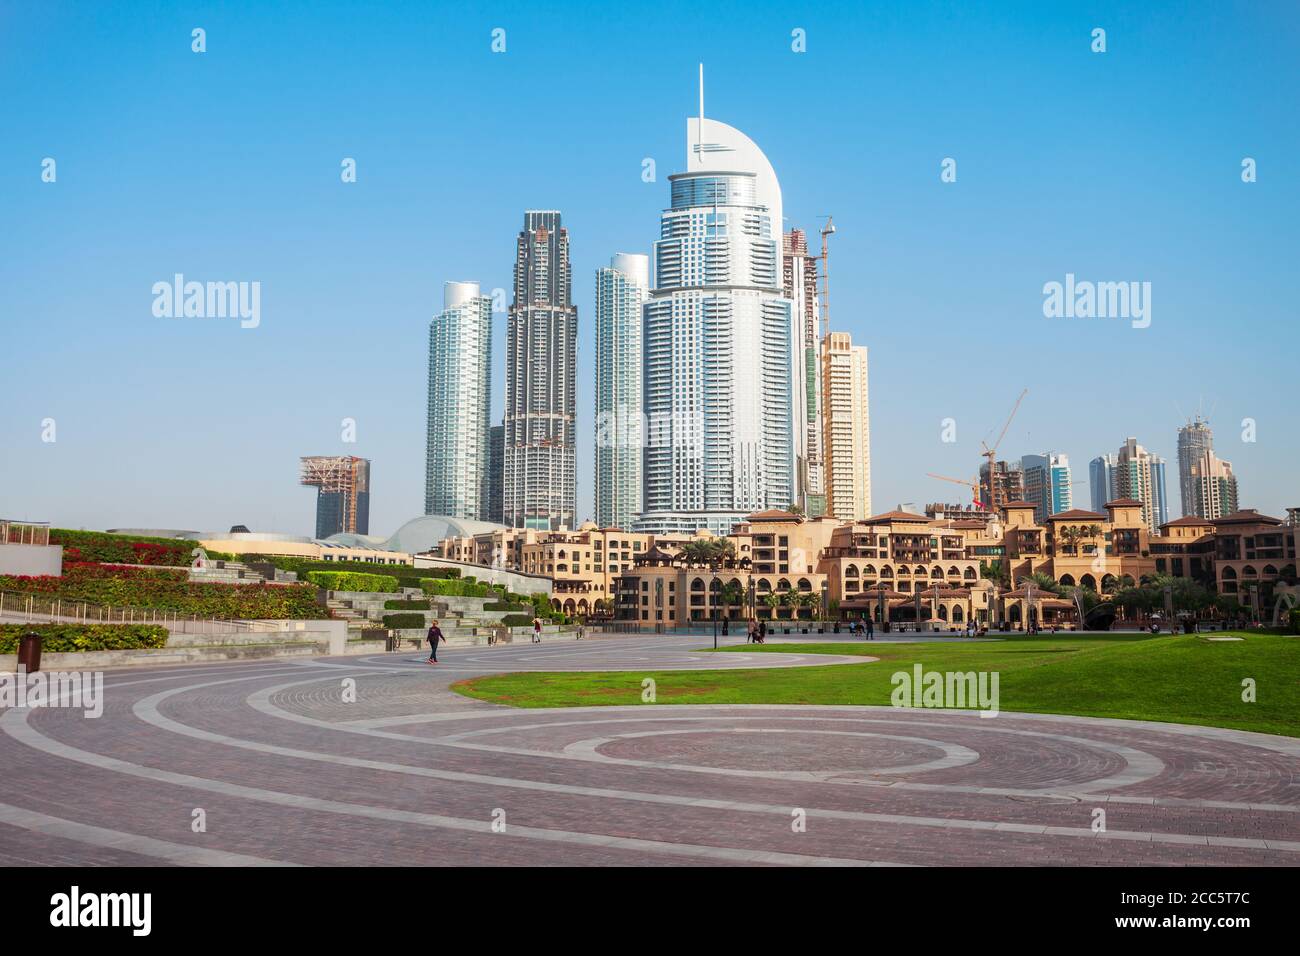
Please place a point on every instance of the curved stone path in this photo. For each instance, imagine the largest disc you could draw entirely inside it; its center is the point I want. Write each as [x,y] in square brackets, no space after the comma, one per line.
[359,761]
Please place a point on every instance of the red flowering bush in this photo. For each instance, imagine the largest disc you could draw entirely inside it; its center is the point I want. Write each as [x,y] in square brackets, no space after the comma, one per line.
[122,548]
[169,589]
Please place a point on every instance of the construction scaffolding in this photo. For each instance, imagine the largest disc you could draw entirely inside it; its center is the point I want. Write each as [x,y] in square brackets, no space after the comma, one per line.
[343,493]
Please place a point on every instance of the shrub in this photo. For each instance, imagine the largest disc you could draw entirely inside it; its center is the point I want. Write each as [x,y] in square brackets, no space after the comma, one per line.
[1295,621]
[398,621]
[122,548]
[451,587]
[169,589]
[408,576]
[518,620]
[353,581]
[63,638]
[406,605]
[506,606]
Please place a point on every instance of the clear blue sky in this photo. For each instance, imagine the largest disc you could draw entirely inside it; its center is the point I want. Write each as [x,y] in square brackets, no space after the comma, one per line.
[225,166]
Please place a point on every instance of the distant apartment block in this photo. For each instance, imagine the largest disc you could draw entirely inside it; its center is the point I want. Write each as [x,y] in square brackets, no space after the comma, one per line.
[847,427]
[622,288]
[1047,484]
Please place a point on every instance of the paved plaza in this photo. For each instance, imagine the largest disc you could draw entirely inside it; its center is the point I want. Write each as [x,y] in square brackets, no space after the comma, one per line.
[373,760]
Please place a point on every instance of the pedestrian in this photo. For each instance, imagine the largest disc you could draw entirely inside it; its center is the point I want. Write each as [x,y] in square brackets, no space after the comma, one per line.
[537,630]
[751,632]
[582,629]
[433,637]
[762,632]
[725,621]
[871,630]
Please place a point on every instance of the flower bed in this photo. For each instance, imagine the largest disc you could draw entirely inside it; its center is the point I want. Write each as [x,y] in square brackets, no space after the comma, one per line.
[169,589]
[122,548]
[63,638]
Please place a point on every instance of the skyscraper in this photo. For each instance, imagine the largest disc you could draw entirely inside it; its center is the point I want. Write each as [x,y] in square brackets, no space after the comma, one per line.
[1194,440]
[799,283]
[460,379]
[342,484]
[718,337]
[847,427]
[1141,475]
[539,489]
[1047,484]
[496,465]
[1101,482]
[1214,486]
[622,288]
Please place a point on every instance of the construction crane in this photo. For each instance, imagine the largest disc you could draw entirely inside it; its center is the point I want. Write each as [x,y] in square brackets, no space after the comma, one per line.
[828,230]
[974,485]
[992,453]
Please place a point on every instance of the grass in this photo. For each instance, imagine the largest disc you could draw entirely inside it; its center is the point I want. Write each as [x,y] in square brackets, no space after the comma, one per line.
[1184,679]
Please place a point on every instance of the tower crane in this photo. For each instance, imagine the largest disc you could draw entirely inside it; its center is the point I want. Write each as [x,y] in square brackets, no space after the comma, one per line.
[991,455]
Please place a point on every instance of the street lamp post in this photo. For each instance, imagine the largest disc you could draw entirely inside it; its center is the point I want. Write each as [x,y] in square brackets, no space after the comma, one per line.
[826,607]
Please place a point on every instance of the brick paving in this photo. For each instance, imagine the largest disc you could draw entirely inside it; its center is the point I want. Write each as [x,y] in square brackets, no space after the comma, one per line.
[373,761]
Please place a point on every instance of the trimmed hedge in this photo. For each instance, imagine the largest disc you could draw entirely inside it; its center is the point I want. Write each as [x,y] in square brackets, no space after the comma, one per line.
[518,620]
[64,638]
[95,546]
[406,605]
[407,575]
[169,589]
[450,587]
[399,621]
[353,581]
[506,606]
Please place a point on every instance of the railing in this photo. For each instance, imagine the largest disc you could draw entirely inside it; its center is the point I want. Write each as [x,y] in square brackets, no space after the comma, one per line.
[24,532]
[37,607]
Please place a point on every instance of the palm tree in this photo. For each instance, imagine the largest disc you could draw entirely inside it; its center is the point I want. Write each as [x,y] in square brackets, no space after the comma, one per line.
[1068,538]
[773,601]
[1044,582]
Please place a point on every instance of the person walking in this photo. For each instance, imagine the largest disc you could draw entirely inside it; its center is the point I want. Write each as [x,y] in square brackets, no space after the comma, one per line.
[751,631]
[537,630]
[433,637]
[725,622]
[762,632]
[871,630]
[582,629]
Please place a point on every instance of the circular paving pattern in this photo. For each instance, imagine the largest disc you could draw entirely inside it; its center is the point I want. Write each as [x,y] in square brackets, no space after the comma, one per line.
[367,761]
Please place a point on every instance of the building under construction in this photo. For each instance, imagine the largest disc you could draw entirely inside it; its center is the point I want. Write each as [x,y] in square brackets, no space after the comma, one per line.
[342,485]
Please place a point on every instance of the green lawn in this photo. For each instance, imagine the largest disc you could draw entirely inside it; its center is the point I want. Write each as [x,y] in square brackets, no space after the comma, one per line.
[1183,679]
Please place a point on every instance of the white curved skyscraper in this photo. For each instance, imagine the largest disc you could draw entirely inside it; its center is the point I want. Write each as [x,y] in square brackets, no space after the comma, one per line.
[460,370]
[718,338]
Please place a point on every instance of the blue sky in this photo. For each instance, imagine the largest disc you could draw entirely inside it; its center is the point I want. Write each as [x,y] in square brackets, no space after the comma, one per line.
[1120,166]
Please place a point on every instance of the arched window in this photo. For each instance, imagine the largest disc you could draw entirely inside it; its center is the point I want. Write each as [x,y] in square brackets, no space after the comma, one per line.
[1269,569]
[1229,574]
[697,584]
[783,585]
[1067,580]
[969,574]
[920,569]
[886,572]
[936,573]
[1249,571]
[764,586]
[1088,581]
[953,572]
[869,570]
[805,584]
[851,571]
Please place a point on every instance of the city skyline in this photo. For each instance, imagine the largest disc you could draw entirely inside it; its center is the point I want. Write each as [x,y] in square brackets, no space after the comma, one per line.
[884,192]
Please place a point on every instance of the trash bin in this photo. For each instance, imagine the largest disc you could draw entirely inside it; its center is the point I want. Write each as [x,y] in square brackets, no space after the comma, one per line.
[29,652]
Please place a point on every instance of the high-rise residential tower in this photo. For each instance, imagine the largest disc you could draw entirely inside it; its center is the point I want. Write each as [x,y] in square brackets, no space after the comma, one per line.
[342,484]
[1047,484]
[847,427]
[1101,482]
[718,337]
[1141,475]
[1194,440]
[539,489]
[460,381]
[622,288]
[1214,486]
[799,283]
